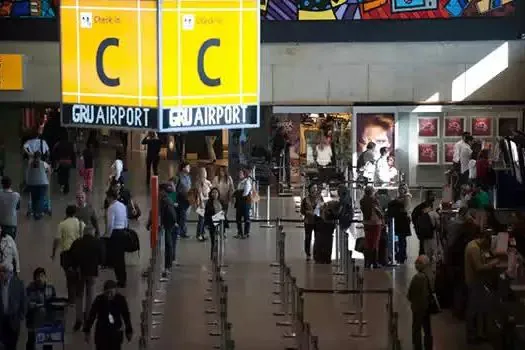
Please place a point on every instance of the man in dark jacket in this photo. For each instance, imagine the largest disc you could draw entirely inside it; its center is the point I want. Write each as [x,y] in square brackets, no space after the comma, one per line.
[430,198]
[168,223]
[13,310]
[86,255]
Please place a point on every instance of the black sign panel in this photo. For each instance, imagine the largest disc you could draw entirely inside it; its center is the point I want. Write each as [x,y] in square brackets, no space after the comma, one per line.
[109,116]
[209,118]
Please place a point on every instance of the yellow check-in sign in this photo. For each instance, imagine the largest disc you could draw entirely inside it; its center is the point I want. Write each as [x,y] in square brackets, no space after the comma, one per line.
[11,72]
[210,64]
[109,62]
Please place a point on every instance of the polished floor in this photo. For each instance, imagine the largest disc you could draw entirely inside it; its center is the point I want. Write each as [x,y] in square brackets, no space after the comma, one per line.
[185,325]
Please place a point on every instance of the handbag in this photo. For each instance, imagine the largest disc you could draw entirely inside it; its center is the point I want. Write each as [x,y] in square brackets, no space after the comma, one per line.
[433,306]
[360,245]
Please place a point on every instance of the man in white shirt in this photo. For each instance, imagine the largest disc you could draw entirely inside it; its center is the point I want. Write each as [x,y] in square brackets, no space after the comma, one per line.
[458,147]
[464,159]
[117,223]
[382,172]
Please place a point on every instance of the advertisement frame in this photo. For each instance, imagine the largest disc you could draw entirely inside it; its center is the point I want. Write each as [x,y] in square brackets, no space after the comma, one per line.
[447,117]
[438,124]
[438,151]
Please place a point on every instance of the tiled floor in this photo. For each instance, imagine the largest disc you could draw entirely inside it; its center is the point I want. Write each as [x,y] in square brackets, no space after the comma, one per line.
[249,278]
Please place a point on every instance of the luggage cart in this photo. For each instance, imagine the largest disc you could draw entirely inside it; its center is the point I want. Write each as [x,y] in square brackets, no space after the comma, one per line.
[50,334]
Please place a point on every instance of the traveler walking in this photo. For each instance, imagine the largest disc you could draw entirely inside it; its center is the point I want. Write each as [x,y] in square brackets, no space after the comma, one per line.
[64,154]
[117,223]
[420,294]
[153,144]
[86,256]
[9,256]
[37,181]
[111,313]
[203,187]
[243,204]
[86,213]
[213,207]
[311,212]
[9,205]
[182,188]
[87,167]
[224,183]
[39,294]
[69,230]
[168,221]
[12,308]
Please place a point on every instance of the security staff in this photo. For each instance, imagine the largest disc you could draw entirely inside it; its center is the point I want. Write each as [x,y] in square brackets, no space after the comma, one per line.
[117,223]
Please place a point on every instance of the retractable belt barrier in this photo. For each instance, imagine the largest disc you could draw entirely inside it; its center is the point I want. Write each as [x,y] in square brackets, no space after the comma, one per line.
[218,294]
[290,298]
[152,314]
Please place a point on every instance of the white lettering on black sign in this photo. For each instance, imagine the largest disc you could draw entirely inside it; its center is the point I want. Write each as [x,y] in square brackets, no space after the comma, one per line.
[110,115]
[207,116]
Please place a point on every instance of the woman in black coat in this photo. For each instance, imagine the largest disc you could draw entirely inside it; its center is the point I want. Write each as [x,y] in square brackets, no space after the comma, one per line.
[398,212]
[110,311]
[213,207]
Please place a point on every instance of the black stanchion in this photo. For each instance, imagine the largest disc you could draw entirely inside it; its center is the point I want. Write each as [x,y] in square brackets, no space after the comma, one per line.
[278,230]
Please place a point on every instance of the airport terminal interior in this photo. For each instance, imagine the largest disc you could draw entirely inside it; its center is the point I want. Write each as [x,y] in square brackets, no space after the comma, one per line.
[271,174]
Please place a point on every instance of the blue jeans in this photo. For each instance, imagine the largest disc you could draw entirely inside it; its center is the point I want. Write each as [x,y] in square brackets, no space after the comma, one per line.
[182,218]
[242,212]
[200,226]
[38,194]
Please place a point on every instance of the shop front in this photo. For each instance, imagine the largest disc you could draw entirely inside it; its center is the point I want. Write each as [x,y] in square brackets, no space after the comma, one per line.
[425,136]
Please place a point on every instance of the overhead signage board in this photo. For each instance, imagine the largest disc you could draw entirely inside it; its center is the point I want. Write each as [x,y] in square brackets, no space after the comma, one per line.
[210,64]
[109,63]
[11,72]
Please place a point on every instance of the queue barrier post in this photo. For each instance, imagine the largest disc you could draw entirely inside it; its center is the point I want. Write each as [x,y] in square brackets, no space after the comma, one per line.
[278,229]
[268,223]
[281,282]
[293,312]
[286,300]
[344,253]
[390,318]
[338,248]
[360,321]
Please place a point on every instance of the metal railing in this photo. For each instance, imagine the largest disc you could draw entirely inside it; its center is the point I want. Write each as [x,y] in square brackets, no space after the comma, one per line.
[152,313]
[218,294]
[291,296]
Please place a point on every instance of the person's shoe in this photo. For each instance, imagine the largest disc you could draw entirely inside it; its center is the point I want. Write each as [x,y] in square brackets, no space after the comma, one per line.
[184,236]
[308,258]
[238,236]
[121,285]
[77,326]
[200,238]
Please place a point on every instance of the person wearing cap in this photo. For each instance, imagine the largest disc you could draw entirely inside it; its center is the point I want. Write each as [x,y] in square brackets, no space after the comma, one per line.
[419,294]
[111,313]
[39,293]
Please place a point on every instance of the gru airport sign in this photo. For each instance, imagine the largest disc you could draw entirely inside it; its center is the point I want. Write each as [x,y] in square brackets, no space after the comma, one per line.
[205,77]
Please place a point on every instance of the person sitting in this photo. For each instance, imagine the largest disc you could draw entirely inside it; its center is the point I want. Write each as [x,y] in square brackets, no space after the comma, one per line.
[39,294]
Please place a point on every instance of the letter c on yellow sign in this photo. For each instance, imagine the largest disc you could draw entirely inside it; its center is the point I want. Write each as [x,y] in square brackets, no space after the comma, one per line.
[112,82]
[205,78]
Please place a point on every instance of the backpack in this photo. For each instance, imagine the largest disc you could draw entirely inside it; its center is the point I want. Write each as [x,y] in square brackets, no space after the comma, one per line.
[132,243]
[425,227]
